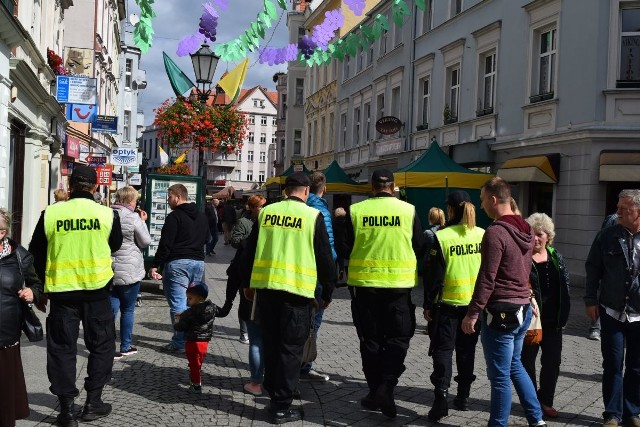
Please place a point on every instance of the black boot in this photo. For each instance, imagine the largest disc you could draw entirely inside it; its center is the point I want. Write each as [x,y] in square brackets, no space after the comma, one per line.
[94,407]
[440,408]
[67,417]
[461,401]
[384,398]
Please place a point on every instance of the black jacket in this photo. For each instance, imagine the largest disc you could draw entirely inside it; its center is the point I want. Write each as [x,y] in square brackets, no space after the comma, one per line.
[197,321]
[38,247]
[325,266]
[564,301]
[184,234]
[10,284]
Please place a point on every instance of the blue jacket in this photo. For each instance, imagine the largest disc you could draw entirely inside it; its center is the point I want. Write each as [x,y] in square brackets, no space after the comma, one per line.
[321,204]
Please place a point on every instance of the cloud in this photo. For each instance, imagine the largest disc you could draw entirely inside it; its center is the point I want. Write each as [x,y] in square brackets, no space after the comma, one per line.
[181,17]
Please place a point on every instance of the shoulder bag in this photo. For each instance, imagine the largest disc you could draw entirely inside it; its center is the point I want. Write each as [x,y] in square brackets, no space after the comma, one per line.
[31,325]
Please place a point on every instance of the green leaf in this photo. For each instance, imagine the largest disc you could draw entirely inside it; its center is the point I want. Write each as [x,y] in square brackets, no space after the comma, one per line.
[282,4]
[399,11]
[384,21]
[264,19]
[270,9]
[352,44]
[420,4]
[257,29]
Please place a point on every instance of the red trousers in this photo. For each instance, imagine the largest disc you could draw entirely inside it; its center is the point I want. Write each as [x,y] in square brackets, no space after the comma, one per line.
[196,350]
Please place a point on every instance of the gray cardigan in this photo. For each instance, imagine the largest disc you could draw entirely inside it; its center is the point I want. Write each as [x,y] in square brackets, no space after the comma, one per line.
[128,263]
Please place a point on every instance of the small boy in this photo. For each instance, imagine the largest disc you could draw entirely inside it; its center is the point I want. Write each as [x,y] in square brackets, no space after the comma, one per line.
[197,324]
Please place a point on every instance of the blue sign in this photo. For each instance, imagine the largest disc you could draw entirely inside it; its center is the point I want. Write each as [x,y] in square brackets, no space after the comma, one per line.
[62,89]
[105,124]
[76,90]
[82,113]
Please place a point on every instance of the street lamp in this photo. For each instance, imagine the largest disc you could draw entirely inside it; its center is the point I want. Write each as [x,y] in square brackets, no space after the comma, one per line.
[204,66]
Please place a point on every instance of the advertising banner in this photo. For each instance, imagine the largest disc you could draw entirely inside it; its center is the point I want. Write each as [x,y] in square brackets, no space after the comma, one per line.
[72,148]
[76,90]
[105,124]
[81,113]
[104,175]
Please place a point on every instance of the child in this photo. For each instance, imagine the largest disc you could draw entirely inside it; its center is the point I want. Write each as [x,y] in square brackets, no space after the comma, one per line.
[197,324]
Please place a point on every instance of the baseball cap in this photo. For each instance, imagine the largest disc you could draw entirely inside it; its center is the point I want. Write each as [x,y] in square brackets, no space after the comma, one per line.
[198,288]
[297,179]
[457,197]
[86,174]
[382,176]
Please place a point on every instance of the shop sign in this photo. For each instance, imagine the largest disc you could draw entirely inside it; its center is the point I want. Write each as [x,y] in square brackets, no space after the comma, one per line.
[104,175]
[72,147]
[76,90]
[388,125]
[105,124]
[124,156]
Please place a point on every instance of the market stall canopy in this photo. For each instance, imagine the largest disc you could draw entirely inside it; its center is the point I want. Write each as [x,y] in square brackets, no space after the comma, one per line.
[339,182]
[226,193]
[435,169]
[281,178]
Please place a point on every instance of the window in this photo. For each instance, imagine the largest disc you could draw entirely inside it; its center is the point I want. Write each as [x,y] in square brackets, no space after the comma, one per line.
[367,122]
[488,83]
[425,90]
[397,34]
[250,156]
[239,157]
[453,77]
[283,102]
[395,101]
[331,131]
[427,16]
[252,119]
[309,146]
[261,176]
[362,58]
[127,73]
[546,63]
[263,156]
[299,91]
[343,127]
[273,122]
[263,138]
[630,49]
[345,67]
[237,175]
[297,142]
[273,139]
[251,137]
[263,120]
[456,7]
[370,55]
[380,105]
[156,150]
[323,124]
[259,103]
[383,42]
[250,176]
[356,126]
[126,130]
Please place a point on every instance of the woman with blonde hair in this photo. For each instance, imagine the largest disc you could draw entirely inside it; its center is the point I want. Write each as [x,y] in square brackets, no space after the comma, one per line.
[549,280]
[128,265]
[60,195]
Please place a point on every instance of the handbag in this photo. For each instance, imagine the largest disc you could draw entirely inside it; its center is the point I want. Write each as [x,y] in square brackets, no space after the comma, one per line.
[31,325]
[310,351]
[533,335]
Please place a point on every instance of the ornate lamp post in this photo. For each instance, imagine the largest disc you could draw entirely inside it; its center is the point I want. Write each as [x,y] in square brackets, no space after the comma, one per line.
[204,66]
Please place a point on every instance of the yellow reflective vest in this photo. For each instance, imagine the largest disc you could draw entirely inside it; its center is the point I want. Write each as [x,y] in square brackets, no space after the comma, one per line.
[382,254]
[78,253]
[461,250]
[285,258]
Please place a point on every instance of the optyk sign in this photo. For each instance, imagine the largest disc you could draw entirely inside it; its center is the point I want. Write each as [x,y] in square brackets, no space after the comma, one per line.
[124,157]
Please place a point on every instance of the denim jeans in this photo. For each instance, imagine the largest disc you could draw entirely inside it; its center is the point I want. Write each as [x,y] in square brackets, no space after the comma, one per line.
[256,364]
[620,392]
[502,354]
[176,276]
[214,239]
[123,300]
[317,321]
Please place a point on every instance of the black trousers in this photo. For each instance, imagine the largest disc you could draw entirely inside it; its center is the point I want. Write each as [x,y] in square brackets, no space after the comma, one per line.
[285,320]
[63,325]
[551,346]
[386,321]
[446,335]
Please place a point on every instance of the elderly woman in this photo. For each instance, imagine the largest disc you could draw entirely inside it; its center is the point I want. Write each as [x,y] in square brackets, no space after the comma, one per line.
[550,284]
[13,392]
[128,265]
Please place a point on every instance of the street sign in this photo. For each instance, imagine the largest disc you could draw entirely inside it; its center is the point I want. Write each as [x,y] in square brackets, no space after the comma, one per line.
[105,124]
[76,90]
[97,160]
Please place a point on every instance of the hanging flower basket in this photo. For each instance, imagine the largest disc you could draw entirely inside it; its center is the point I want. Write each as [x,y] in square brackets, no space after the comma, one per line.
[55,62]
[175,169]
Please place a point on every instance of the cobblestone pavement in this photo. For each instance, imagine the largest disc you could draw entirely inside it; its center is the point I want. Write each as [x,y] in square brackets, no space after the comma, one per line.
[150,388]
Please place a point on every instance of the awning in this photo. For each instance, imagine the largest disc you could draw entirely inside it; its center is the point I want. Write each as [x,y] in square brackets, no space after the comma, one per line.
[543,168]
[620,166]
[225,193]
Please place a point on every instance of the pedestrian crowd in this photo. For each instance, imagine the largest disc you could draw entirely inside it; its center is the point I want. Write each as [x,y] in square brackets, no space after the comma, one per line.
[505,286]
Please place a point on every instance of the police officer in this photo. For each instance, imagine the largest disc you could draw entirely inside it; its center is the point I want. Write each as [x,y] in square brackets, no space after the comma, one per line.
[382,241]
[72,245]
[286,254]
[449,281]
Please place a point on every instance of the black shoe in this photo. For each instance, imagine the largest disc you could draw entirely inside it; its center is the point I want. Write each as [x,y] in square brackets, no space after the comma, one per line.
[296,393]
[461,403]
[286,416]
[384,400]
[440,408]
[368,402]
[93,411]
[67,416]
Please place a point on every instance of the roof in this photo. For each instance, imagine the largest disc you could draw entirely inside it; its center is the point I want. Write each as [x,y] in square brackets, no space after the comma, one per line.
[224,99]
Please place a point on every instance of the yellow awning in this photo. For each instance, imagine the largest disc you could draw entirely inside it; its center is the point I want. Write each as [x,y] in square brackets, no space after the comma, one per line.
[440,179]
[620,166]
[338,187]
[529,169]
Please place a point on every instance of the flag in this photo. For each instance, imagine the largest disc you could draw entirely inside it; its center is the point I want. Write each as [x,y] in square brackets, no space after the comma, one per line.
[164,157]
[232,82]
[180,83]
[182,157]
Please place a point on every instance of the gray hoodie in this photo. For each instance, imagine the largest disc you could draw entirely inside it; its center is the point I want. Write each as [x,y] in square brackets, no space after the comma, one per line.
[128,263]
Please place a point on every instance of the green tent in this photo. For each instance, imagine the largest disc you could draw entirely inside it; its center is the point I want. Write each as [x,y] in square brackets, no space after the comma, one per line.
[339,182]
[427,181]
[280,179]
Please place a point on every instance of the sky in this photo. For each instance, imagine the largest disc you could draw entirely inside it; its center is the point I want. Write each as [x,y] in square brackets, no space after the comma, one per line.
[178,18]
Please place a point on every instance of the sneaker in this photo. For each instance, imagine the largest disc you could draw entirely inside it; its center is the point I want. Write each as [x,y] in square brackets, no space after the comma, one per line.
[244,338]
[314,375]
[594,335]
[130,352]
[253,388]
[118,356]
[539,424]
[170,348]
[195,389]
[610,422]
